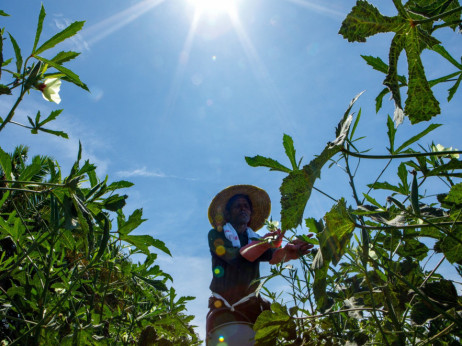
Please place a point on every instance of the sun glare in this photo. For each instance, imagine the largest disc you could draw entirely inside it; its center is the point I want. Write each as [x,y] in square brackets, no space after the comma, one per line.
[214,6]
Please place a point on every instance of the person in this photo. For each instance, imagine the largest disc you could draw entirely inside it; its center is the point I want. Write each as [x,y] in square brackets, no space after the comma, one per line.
[235,214]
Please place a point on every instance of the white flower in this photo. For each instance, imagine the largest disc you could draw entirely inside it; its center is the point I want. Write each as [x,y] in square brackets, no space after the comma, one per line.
[50,89]
[439,147]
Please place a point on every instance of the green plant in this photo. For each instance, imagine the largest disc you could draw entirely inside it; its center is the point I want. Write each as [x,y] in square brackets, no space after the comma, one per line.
[369,281]
[66,274]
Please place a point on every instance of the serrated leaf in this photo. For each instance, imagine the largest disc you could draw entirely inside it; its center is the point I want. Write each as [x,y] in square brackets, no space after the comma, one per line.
[63,57]
[54,132]
[134,220]
[445,168]
[70,31]
[260,161]
[143,242]
[17,53]
[452,246]
[365,20]
[53,115]
[115,202]
[386,186]
[376,63]
[38,32]
[391,134]
[415,138]
[5,162]
[391,80]
[454,88]
[73,78]
[288,144]
[372,201]
[121,184]
[421,104]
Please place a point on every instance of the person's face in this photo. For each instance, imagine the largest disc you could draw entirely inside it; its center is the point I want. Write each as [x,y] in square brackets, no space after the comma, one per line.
[239,212]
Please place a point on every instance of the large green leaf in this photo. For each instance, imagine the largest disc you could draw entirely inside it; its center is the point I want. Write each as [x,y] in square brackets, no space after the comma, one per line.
[134,220]
[452,246]
[421,104]
[365,20]
[70,31]
[5,162]
[72,77]
[391,80]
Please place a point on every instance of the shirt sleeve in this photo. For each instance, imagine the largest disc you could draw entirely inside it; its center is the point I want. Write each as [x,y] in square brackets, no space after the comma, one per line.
[223,249]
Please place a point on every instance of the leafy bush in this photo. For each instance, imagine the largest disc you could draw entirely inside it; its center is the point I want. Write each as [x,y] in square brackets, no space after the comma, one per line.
[66,276]
[369,283]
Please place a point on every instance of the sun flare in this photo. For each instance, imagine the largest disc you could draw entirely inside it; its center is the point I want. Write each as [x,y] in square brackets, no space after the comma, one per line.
[214,6]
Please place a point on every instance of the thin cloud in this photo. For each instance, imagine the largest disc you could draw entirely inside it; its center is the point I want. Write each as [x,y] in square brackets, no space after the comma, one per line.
[141,172]
[144,172]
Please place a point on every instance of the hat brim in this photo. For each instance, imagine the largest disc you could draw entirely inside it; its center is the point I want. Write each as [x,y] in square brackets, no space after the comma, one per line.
[261,205]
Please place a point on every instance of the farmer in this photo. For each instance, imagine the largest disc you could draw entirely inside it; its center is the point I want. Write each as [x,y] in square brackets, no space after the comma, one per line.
[235,213]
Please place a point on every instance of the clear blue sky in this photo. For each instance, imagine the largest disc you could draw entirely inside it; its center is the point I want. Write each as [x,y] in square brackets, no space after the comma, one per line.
[178,99]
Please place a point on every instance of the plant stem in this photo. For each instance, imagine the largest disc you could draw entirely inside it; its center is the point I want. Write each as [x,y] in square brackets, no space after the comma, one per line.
[11,113]
[400,156]
[341,311]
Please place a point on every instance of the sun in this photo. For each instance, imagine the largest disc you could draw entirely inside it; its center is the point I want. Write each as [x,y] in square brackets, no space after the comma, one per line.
[214,7]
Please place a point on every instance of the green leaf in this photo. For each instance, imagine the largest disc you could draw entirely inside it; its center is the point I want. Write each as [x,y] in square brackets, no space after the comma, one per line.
[444,53]
[372,200]
[386,186]
[421,104]
[142,243]
[413,248]
[53,115]
[455,195]
[53,132]
[415,195]
[39,27]
[104,239]
[260,161]
[70,31]
[391,134]
[122,184]
[157,284]
[365,20]
[417,137]
[134,220]
[68,73]
[452,246]
[313,225]
[4,90]
[4,14]
[376,63]
[63,57]
[391,80]
[17,53]
[454,88]
[444,169]
[115,202]
[5,162]
[288,143]
[379,99]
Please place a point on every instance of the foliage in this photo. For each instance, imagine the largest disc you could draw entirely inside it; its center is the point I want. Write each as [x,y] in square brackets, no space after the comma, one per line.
[66,274]
[369,281]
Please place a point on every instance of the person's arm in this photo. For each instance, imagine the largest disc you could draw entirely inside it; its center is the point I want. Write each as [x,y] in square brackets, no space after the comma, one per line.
[292,250]
[257,248]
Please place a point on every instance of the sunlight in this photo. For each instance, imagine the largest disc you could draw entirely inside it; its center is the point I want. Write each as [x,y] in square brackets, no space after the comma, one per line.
[214,7]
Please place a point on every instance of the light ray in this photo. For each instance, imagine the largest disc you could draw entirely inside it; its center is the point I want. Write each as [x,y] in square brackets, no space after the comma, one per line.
[258,67]
[319,8]
[108,26]
[182,62]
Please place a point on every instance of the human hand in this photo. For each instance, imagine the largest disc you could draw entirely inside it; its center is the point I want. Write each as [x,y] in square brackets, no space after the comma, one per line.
[292,250]
[274,238]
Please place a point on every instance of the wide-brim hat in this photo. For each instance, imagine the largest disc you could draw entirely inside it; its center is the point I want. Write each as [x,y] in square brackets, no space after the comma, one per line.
[261,205]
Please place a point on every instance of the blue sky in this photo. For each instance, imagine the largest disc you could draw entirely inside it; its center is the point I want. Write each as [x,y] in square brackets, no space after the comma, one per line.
[179,99]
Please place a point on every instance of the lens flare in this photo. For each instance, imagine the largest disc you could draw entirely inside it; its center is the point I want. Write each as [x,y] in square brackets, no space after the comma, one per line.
[220,250]
[218,271]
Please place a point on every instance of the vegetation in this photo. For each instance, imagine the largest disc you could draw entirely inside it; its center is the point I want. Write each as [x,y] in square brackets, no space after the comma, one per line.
[66,276]
[375,278]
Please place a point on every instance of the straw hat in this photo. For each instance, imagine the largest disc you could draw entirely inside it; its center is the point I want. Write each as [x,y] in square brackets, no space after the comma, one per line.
[261,205]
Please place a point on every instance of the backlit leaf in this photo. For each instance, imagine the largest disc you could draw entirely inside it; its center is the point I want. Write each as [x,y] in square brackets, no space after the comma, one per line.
[260,161]
[70,31]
